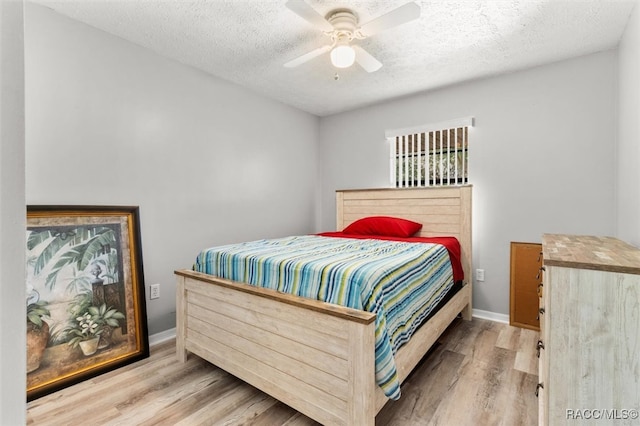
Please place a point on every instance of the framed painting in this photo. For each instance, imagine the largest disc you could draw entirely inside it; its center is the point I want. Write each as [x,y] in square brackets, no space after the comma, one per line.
[86,310]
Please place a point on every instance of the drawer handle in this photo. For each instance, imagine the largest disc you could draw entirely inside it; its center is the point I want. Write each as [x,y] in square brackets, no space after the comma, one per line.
[539,346]
[539,257]
[538,387]
[540,311]
[542,269]
[540,289]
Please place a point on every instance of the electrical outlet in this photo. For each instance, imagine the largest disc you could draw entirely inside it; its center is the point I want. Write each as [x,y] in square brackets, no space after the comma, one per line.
[154,291]
[480,274]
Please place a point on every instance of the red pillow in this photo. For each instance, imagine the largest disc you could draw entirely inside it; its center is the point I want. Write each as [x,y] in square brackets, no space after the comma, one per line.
[383,225]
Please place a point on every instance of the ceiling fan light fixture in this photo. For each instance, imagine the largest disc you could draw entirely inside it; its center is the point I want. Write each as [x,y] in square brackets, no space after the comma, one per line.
[343,56]
[342,26]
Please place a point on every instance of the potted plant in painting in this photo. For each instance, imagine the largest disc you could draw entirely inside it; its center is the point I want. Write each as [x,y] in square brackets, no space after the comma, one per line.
[37,331]
[86,334]
[89,324]
[108,320]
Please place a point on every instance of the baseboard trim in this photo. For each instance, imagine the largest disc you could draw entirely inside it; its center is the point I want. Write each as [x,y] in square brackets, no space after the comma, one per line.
[491,316]
[163,336]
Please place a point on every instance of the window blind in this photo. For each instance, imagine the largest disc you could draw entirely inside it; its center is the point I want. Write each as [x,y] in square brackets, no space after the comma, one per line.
[430,155]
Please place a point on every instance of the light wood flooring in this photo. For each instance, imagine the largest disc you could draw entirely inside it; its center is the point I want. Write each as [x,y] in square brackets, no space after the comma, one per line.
[480,373]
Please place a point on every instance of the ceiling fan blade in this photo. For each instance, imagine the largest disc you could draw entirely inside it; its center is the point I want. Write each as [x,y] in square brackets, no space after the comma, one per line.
[401,15]
[307,56]
[305,11]
[365,60]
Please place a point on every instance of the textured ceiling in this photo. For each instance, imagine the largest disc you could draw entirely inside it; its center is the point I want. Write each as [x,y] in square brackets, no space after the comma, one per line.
[248,41]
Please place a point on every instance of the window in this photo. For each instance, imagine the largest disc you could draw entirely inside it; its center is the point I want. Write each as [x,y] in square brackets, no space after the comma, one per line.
[430,155]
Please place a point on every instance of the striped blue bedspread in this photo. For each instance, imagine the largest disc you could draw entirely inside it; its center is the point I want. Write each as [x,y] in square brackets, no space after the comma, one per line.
[400,282]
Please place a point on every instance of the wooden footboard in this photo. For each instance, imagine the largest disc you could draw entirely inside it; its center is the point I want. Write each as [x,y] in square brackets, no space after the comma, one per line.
[315,357]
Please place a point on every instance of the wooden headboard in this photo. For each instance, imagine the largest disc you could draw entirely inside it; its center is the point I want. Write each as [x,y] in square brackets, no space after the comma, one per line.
[443,211]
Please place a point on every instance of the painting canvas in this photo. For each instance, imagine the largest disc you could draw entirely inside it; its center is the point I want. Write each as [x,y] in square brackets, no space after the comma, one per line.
[86,310]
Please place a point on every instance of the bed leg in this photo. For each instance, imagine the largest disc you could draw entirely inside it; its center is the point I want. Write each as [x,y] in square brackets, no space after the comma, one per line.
[362,388]
[467,311]
[181,323]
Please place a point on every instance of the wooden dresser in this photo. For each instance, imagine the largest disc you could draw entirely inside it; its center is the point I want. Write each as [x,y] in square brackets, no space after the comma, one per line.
[589,346]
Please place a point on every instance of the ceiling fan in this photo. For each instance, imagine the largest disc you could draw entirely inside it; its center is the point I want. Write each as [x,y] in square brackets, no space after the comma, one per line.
[342,27]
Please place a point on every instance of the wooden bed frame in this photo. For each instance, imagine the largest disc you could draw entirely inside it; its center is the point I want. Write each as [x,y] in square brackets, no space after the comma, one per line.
[314,356]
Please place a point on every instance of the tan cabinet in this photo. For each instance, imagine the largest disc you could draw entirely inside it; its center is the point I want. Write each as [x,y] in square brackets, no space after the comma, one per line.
[526,260]
[590,332]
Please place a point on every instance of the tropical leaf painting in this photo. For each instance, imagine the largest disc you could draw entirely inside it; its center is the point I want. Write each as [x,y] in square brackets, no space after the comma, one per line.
[71,246]
[85,294]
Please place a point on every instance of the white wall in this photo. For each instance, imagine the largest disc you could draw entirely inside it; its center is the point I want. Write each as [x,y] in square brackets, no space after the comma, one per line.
[208,162]
[12,195]
[628,155]
[542,156]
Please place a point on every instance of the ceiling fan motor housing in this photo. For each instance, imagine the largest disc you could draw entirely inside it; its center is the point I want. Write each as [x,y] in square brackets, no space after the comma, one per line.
[345,24]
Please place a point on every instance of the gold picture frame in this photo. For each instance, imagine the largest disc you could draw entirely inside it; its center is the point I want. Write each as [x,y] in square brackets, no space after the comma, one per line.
[86,311]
